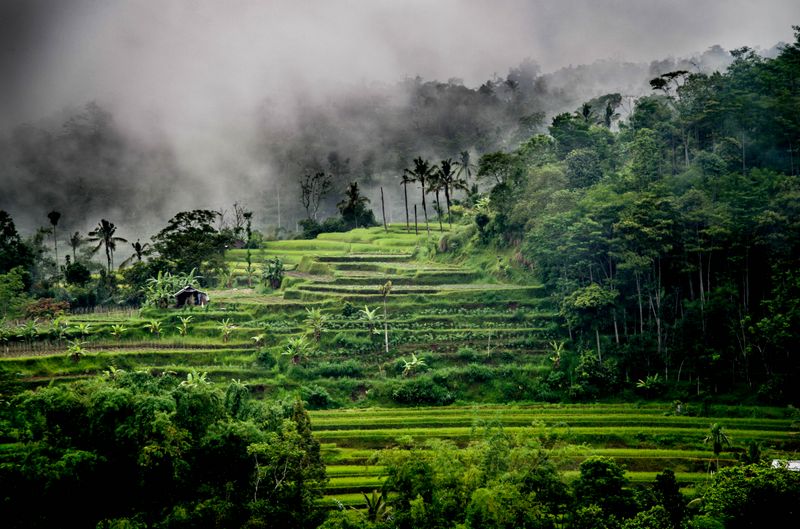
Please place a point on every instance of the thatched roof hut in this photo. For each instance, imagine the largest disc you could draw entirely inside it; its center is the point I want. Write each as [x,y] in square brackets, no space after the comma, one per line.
[189,296]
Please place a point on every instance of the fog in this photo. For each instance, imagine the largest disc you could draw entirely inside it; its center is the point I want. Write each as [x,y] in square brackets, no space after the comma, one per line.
[134,110]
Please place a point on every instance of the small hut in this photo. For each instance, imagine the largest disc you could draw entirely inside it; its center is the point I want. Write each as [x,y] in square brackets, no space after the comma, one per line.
[190,296]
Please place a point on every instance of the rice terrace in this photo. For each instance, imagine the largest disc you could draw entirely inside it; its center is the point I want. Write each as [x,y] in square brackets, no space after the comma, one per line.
[563,298]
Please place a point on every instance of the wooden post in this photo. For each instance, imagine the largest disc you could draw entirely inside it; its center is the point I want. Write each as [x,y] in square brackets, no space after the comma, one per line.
[416,231]
[383,209]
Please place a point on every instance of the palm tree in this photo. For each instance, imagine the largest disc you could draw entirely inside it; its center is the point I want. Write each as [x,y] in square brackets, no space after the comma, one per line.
[717,437]
[448,177]
[103,235]
[421,172]
[139,251]
[465,166]
[54,216]
[76,241]
[404,182]
[435,184]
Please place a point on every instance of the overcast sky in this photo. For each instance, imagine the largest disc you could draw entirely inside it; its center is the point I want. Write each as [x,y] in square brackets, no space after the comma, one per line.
[178,60]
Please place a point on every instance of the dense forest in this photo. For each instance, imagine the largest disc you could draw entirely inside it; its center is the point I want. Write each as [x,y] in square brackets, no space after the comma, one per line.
[671,245]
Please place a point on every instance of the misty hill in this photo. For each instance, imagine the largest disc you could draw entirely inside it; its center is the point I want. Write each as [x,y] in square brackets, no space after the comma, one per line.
[89,164]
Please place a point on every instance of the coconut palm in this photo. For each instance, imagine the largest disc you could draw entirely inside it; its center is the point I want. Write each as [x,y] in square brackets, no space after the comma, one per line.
[76,241]
[465,166]
[422,171]
[404,182]
[448,177]
[435,185]
[103,235]
[54,217]
[139,251]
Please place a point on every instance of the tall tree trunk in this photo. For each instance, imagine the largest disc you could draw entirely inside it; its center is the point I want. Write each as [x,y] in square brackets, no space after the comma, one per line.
[439,211]
[416,230]
[425,209]
[383,210]
[639,299]
[405,196]
[597,337]
[447,201]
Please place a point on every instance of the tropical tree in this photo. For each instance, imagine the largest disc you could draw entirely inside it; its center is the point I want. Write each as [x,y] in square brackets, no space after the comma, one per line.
[465,166]
[103,235]
[435,185]
[421,173]
[194,379]
[404,182]
[353,207]
[717,437]
[75,242]
[139,251]
[54,217]
[377,506]
[448,177]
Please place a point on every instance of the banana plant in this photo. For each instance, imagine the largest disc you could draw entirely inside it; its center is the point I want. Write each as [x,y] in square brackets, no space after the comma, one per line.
[298,349]
[75,350]
[410,367]
[183,328]
[316,321]
[118,330]
[194,379]
[226,327]
[154,327]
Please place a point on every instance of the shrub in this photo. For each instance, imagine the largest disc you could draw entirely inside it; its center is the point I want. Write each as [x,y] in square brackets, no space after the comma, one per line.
[45,308]
[348,368]
[266,359]
[316,396]
[421,390]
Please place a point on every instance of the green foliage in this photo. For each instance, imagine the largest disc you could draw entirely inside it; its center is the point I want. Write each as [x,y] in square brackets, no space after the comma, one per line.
[179,454]
[272,272]
[745,496]
[190,242]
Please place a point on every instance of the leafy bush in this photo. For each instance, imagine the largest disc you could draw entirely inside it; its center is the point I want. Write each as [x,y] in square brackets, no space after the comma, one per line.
[348,368]
[45,308]
[421,390]
[317,397]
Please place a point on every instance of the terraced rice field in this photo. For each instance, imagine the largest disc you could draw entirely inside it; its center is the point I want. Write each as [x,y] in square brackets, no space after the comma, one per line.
[468,326]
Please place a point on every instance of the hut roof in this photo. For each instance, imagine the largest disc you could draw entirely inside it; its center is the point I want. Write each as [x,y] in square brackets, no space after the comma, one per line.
[187,288]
